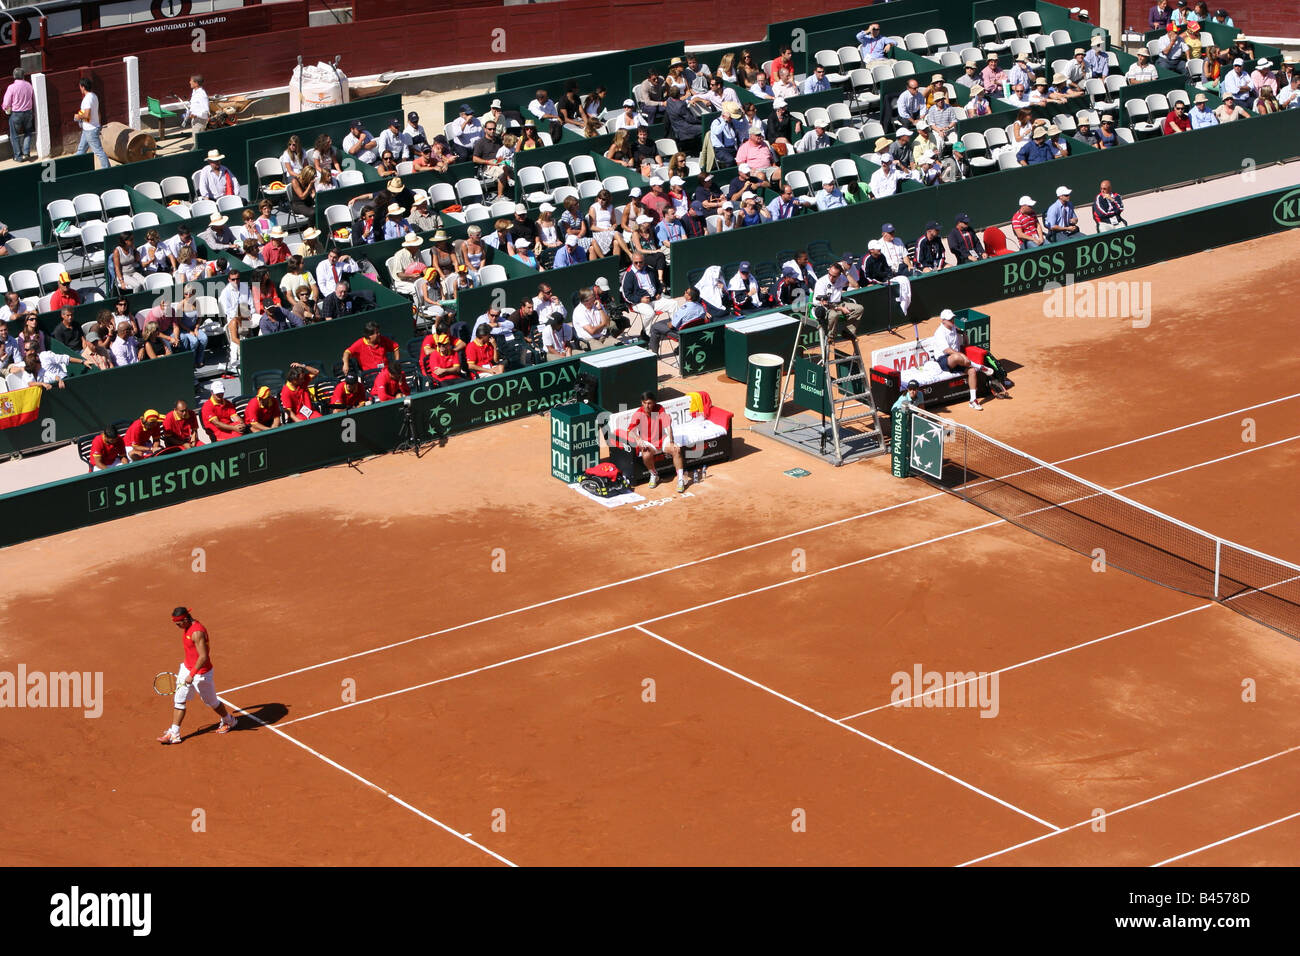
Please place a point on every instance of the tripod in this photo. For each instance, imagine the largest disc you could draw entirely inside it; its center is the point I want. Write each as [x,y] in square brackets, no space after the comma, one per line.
[408,438]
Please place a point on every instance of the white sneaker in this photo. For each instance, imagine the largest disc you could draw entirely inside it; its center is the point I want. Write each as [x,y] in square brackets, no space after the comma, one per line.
[654,480]
[986,370]
[975,405]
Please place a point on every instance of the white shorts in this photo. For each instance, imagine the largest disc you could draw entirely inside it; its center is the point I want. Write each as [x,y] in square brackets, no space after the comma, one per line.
[203,683]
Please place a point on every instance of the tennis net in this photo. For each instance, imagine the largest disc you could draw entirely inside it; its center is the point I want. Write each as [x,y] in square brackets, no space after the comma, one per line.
[1085,517]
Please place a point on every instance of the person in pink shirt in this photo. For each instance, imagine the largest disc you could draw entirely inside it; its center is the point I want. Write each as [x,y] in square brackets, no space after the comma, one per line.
[757,154]
[18,103]
[1262,77]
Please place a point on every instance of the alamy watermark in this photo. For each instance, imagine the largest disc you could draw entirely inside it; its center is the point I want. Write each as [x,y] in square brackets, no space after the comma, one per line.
[921,688]
[1097,299]
[83,690]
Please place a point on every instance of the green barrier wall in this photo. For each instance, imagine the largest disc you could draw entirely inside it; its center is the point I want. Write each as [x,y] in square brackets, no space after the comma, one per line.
[20,200]
[606,69]
[207,470]
[951,15]
[325,340]
[90,400]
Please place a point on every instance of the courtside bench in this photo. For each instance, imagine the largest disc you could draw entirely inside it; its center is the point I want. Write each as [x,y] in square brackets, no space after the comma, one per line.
[701,429]
[895,365]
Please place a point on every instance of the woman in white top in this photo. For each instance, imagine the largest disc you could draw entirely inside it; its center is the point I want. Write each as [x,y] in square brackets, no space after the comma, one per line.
[725,71]
[293,158]
[189,269]
[152,258]
[604,228]
[1021,129]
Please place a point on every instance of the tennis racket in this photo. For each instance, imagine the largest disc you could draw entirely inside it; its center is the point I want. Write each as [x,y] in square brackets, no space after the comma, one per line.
[164,684]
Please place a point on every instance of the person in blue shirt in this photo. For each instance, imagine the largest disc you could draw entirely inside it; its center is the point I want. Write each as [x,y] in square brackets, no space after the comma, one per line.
[1221,16]
[817,83]
[1037,150]
[1061,222]
[690,312]
[830,197]
[1202,116]
[669,229]
[874,45]
[569,254]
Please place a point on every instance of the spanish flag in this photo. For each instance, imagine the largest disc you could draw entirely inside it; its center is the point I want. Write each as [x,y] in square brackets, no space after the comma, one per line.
[20,407]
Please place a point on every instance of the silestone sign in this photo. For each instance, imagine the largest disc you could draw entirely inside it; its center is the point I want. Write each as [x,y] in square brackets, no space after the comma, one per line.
[176,483]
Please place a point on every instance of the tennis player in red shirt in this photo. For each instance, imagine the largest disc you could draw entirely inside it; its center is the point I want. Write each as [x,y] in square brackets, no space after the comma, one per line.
[296,395]
[481,354]
[180,427]
[443,364]
[348,394]
[219,416]
[194,675]
[107,449]
[370,351]
[390,383]
[650,431]
[263,411]
[144,437]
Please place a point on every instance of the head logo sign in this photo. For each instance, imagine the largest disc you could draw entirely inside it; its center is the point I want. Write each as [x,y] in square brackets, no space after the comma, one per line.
[1286,211]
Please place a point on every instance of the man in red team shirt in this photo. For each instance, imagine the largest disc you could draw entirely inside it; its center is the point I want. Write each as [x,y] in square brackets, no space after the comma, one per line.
[370,351]
[443,364]
[64,294]
[107,449]
[180,427]
[650,432]
[390,383]
[219,416]
[348,394]
[481,353]
[263,411]
[194,675]
[144,437]
[296,395]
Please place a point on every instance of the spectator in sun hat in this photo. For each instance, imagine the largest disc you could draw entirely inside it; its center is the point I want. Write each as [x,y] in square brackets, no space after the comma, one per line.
[1229,111]
[464,131]
[1061,221]
[1097,59]
[218,237]
[885,180]
[942,116]
[1037,150]
[1107,138]
[963,242]
[1024,224]
[1085,134]
[978,104]
[1142,70]
[1201,115]
[215,180]
[1237,84]
[1020,72]
[1264,76]
[901,151]
[992,77]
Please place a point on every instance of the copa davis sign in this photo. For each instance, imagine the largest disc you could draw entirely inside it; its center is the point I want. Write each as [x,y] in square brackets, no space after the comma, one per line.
[498,398]
[175,483]
[1080,258]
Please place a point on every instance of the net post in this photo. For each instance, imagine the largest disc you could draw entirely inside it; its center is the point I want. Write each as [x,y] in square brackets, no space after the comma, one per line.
[1218,549]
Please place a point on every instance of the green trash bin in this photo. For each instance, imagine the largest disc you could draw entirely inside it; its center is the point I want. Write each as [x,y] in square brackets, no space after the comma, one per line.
[762,391]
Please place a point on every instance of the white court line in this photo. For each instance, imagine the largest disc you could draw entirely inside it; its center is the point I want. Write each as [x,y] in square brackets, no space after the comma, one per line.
[852,730]
[652,620]
[374,786]
[443,680]
[1034,660]
[1202,464]
[1170,431]
[1235,836]
[1134,806]
[721,554]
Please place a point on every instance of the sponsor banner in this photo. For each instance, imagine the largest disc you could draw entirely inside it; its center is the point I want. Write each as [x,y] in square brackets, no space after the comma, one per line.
[497,398]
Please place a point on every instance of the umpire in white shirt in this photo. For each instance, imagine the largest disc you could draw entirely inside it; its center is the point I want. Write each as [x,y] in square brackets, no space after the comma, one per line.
[828,294]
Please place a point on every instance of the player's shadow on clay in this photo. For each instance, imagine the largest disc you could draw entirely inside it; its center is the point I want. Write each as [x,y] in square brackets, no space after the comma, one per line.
[266,713]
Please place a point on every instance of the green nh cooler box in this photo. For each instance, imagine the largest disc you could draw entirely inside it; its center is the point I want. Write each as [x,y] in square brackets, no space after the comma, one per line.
[622,374]
[575,441]
[763,333]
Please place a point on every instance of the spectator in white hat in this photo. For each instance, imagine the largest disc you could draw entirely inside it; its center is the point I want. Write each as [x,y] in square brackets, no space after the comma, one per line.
[759,157]
[629,119]
[1024,224]
[215,180]
[1061,221]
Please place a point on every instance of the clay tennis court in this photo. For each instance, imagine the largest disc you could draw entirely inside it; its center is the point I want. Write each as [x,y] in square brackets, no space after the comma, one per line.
[770,613]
